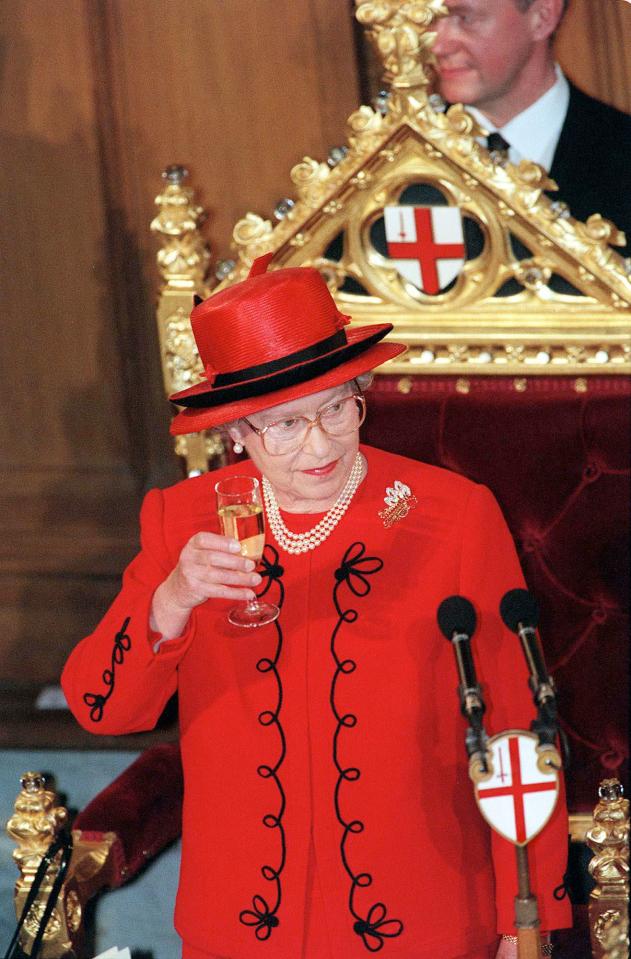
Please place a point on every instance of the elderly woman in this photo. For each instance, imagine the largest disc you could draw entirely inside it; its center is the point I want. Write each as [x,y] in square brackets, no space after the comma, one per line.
[328,811]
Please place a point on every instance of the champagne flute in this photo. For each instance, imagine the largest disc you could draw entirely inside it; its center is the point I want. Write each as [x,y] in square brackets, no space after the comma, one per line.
[240,511]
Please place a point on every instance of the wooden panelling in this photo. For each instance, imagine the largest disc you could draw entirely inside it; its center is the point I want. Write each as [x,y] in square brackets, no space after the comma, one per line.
[238,91]
[59,357]
[98,97]
[593,45]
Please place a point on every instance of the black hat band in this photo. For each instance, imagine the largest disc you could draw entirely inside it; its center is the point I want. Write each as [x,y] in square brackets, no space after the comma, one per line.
[273,366]
[283,378]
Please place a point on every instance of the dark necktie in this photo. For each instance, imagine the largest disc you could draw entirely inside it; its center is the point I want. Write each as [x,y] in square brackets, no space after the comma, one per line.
[498,146]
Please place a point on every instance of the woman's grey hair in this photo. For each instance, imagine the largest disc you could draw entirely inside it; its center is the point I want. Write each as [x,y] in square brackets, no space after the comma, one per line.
[364,380]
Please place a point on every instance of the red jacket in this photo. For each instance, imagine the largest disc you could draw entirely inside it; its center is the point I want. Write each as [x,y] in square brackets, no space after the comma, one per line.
[335,730]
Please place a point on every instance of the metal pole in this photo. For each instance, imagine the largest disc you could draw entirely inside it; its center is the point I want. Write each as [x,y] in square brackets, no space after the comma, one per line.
[526,912]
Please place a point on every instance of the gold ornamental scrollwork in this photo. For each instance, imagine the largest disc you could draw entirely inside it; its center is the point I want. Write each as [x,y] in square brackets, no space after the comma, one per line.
[311,179]
[73,911]
[181,358]
[34,825]
[613,934]
[608,838]
[252,236]
[184,257]
[402,35]
[183,262]
[561,306]
[367,129]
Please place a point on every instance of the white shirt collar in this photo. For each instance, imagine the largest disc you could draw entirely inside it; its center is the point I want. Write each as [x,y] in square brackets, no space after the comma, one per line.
[534,133]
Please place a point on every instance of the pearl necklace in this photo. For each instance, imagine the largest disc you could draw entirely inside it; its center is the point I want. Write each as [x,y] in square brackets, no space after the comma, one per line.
[302,542]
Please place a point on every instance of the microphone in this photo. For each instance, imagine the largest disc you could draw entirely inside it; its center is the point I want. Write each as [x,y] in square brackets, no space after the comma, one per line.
[520,613]
[457,622]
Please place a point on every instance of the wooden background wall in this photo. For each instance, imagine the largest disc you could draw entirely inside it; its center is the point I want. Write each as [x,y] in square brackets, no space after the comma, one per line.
[99,96]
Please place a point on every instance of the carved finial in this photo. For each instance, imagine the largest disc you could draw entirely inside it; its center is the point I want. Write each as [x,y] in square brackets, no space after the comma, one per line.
[175,173]
[609,839]
[403,35]
[35,822]
[32,782]
[610,791]
[183,260]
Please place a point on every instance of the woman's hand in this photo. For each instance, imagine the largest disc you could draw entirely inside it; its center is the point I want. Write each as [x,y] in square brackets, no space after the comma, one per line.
[210,567]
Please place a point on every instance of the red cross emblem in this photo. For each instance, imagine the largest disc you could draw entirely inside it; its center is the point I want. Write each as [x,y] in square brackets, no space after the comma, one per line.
[518,799]
[426,244]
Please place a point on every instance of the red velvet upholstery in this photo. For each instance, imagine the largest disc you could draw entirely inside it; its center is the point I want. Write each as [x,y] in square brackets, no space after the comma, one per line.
[558,462]
[143,806]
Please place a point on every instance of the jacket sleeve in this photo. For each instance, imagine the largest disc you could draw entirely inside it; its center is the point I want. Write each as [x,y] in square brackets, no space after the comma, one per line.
[490,567]
[114,681]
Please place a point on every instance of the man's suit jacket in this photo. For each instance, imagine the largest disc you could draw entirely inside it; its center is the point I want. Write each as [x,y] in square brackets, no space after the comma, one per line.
[592,162]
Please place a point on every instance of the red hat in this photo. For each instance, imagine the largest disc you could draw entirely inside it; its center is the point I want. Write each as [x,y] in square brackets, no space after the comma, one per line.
[272,338]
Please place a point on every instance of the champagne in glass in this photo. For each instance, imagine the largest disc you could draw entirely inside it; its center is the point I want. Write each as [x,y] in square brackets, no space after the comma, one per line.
[240,511]
[245,522]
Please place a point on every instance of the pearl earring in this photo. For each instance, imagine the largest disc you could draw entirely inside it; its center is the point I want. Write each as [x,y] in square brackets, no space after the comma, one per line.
[237,447]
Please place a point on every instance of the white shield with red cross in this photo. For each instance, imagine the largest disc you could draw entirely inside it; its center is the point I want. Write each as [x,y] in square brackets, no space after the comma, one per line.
[518,800]
[425,244]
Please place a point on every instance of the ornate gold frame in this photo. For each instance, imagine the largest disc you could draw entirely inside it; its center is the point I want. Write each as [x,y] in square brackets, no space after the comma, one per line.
[463,331]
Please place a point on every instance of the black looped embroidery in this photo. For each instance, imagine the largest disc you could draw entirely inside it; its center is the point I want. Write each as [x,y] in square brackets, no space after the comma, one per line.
[354,571]
[375,928]
[262,916]
[271,571]
[96,701]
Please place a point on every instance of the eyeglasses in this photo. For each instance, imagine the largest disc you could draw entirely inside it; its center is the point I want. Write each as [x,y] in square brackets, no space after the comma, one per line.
[289,434]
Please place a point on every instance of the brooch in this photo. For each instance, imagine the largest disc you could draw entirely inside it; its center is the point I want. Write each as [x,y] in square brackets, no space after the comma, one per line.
[399,500]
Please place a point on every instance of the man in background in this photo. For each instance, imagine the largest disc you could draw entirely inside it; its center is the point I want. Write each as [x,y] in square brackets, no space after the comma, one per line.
[496,56]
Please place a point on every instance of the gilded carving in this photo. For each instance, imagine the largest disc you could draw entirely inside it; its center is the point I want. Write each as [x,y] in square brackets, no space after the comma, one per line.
[73,911]
[367,129]
[181,358]
[184,257]
[609,839]
[604,923]
[253,231]
[401,33]
[310,179]
[613,934]
[409,140]
[35,822]
[34,918]
[534,274]
[201,449]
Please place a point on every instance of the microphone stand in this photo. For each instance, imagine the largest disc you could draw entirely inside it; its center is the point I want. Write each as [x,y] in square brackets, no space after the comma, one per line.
[472,708]
[526,910]
[546,724]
